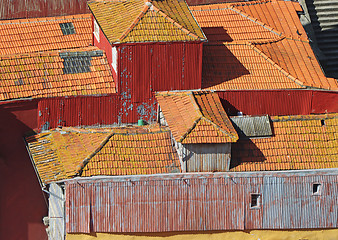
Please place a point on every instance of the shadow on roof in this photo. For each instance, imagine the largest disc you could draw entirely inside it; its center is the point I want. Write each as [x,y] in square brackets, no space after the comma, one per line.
[220,65]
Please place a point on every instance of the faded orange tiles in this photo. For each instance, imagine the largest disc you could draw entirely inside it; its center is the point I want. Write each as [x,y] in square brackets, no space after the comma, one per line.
[298,142]
[196,117]
[68,152]
[140,21]
[257,45]
[58,153]
[39,75]
[44,34]
[139,153]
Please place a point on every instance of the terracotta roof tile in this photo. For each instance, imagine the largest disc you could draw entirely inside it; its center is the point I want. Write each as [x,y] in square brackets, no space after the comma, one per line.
[280,56]
[38,75]
[299,142]
[43,34]
[64,153]
[196,117]
[137,21]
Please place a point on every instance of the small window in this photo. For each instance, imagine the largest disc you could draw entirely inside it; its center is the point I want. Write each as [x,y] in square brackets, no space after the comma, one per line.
[67,28]
[322,122]
[255,200]
[316,188]
[96,31]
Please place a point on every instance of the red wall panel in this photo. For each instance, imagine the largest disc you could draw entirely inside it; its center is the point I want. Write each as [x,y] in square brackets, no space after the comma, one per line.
[272,102]
[78,111]
[324,102]
[22,204]
[12,9]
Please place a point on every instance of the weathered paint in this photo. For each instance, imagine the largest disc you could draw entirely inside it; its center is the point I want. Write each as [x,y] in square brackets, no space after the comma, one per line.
[10,9]
[22,201]
[325,234]
[202,201]
[56,210]
[78,111]
[278,102]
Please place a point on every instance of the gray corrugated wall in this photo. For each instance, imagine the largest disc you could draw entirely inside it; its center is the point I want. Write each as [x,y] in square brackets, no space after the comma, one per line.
[56,213]
[197,202]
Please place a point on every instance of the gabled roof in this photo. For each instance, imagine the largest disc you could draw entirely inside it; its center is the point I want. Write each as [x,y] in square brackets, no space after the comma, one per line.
[83,71]
[298,142]
[145,21]
[196,117]
[68,152]
[44,34]
[268,47]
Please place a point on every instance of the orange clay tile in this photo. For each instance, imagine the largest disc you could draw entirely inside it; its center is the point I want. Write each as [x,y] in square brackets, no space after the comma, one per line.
[196,117]
[298,142]
[140,21]
[64,153]
[39,75]
[280,56]
[43,34]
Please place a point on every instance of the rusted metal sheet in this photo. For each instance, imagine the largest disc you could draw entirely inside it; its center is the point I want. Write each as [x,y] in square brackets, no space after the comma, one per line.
[56,230]
[207,157]
[78,111]
[252,126]
[12,9]
[203,201]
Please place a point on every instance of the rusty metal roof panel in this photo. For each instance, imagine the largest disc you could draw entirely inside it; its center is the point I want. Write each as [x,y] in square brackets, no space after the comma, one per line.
[199,202]
[252,126]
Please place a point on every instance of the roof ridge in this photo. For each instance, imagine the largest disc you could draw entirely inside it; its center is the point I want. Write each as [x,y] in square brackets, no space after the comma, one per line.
[48,53]
[288,75]
[85,161]
[255,20]
[219,127]
[44,19]
[144,10]
[183,29]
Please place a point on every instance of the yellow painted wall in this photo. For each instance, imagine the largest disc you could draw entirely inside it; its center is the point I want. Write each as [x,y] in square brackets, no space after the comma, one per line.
[327,234]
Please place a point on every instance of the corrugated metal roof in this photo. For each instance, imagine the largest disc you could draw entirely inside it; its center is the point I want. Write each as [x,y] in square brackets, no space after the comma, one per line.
[200,202]
[252,126]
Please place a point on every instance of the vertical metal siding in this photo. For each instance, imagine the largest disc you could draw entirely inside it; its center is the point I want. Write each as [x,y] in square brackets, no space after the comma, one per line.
[146,68]
[56,213]
[78,111]
[324,102]
[271,102]
[12,9]
[207,157]
[196,202]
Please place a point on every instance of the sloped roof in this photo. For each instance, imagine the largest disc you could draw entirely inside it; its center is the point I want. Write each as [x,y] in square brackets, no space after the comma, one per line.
[277,41]
[298,142]
[64,153]
[83,71]
[141,21]
[44,34]
[196,117]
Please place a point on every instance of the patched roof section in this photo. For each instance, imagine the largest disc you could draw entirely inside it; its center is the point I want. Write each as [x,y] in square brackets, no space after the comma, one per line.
[196,117]
[44,34]
[54,74]
[282,57]
[298,142]
[58,153]
[68,152]
[139,21]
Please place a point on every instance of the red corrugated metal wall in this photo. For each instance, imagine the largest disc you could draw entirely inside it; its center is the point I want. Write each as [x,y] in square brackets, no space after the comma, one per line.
[11,9]
[278,102]
[78,111]
[146,68]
